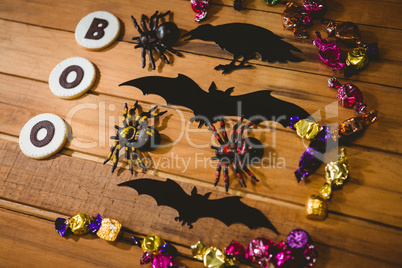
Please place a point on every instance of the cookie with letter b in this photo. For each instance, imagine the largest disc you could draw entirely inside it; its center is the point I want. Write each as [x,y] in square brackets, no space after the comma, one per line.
[97,30]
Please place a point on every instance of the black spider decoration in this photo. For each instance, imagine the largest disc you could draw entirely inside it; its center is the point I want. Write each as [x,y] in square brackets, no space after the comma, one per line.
[237,152]
[134,136]
[157,37]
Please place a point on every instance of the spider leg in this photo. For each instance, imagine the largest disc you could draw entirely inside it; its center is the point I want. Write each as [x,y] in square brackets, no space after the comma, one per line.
[151,21]
[232,133]
[144,26]
[137,26]
[221,142]
[171,49]
[130,163]
[159,17]
[248,171]
[218,172]
[131,112]
[135,38]
[151,59]
[116,157]
[143,54]
[236,169]
[226,176]
[111,152]
[161,54]
[223,131]
[125,115]
[241,131]
[139,160]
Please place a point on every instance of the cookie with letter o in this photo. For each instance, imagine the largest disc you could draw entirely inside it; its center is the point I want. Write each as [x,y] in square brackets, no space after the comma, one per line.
[43,136]
[72,77]
[97,30]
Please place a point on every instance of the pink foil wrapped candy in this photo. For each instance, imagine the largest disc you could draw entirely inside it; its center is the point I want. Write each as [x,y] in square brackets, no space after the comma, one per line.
[329,53]
[349,95]
[315,7]
[200,7]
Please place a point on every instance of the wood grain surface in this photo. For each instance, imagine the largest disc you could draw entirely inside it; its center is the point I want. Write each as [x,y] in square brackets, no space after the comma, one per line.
[364,225]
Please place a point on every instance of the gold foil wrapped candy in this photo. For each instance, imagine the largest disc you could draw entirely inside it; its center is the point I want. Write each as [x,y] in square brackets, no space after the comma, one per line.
[109,229]
[316,208]
[79,224]
[337,172]
[307,129]
[214,258]
[326,191]
[152,243]
[198,250]
[358,58]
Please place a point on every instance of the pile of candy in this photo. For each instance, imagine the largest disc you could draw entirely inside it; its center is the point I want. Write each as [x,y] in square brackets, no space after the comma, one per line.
[298,18]
[157,252]
[298,252]
[105,228]
[348,34]
[323,139]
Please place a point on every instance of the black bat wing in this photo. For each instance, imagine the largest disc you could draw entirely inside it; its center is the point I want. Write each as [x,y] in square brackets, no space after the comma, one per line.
[166,193]
[262,105]
[231,210]
[181,91]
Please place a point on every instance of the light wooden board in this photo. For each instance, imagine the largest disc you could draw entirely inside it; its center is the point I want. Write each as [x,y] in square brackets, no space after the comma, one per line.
[365,220]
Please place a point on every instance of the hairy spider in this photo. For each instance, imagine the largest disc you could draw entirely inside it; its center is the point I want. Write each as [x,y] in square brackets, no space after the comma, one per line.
[237,152]
[157,37]
[134,136]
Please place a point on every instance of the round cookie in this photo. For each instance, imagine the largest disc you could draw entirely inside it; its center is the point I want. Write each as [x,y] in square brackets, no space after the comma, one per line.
[42,136]
[97,30]
[72,77]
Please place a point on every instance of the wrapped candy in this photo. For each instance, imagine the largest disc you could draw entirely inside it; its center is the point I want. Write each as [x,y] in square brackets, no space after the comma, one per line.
[315,7]
[79,224]
[316,208]
[157,252]
[298,252]
[359,58]
[356,124]
[349,95]
[347,32]
[329,53]
[200,7]
[109,229]
[296,18]
[307,129]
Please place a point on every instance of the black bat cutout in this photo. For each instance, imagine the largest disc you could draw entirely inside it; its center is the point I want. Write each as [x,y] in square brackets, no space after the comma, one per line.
[228,210]
[245,41]
[209,107]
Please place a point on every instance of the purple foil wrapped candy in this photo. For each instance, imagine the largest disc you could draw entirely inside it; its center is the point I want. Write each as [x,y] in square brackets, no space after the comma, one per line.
[95,224]
[235,249]
[162,261]
[315,7]
[329,53]
[312,158]
[61,226]
[200,7]
[298,238]
[293,120]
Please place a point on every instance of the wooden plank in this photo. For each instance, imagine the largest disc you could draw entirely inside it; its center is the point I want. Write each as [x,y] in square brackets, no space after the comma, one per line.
[66,186]
[91,137]
[383,72]
[313,95]
[26,239]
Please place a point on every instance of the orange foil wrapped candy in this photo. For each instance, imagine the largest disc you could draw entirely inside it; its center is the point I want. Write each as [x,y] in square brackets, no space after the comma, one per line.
[356,124]
[109,229]
[296,18]
[347,32]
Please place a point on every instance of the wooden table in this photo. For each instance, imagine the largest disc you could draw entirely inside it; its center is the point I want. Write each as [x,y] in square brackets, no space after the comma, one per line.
[363,228]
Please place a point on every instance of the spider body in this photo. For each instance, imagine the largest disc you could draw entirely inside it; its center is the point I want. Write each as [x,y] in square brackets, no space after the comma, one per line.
[156,37]
[237,152]
[135,135]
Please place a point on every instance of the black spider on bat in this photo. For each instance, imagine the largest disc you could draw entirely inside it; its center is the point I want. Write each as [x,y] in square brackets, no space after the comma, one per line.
[209,107]
[237,152]
[157,37]
[228,210]
[245,41]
